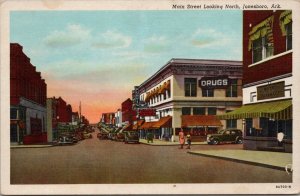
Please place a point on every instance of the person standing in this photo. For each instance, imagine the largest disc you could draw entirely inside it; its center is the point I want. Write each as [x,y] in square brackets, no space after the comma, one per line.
[189,141]
[181,139]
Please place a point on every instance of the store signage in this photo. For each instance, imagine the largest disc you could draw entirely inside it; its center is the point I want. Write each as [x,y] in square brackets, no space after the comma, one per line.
[270,91]
[147,112]
[214,82]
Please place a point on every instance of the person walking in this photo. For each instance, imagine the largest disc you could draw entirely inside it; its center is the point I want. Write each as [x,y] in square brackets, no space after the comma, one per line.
[189,141]
[181,138]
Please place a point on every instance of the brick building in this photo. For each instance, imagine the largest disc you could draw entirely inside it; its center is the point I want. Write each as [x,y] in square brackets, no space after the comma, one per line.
[28,92]
[128,114]
[267,80]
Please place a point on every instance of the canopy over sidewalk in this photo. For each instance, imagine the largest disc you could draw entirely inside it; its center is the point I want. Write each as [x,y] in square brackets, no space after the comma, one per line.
[278,110]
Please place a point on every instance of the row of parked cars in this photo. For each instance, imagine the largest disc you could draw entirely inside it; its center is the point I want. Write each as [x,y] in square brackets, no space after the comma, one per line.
[118,134]
[73,137]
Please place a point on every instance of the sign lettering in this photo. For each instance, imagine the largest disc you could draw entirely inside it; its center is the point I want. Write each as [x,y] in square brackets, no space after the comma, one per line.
[270,91]
[214,82]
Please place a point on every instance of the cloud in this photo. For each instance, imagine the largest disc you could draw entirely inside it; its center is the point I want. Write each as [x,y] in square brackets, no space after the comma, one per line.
[156,44]
[72,35]
[208,38]
[112,39]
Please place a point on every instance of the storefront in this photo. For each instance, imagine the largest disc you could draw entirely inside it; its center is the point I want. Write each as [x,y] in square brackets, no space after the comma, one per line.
[199,126]
[262,124]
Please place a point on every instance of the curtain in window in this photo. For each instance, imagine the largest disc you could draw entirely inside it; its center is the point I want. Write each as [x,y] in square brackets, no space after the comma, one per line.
[261,30]
[285,18]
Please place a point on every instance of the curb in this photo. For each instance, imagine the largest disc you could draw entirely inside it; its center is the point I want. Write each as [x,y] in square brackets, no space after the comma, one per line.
[240,161]
[33,146]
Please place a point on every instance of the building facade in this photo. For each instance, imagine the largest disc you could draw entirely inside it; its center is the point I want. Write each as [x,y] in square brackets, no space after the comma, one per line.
[128,114]
[28,92]
[185,89]
[267,80]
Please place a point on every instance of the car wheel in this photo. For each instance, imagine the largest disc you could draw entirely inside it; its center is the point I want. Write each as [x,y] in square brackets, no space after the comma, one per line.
[239,141]
[215,141]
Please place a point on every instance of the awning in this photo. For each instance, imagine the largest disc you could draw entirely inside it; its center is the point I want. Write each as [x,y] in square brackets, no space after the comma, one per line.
[147,125]
[264,28]
[163,122]
[200,121]
[285,18]
[278,110]
[138,125]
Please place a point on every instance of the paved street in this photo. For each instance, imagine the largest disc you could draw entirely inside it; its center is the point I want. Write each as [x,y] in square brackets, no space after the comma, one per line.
[94,161]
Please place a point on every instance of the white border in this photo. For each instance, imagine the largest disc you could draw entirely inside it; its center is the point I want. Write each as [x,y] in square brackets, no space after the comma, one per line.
[226,188]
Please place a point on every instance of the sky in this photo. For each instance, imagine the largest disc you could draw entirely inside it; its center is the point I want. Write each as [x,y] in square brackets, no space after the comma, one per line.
[97,57]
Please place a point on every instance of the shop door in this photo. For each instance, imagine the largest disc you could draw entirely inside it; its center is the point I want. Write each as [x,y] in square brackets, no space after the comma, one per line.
[13,133]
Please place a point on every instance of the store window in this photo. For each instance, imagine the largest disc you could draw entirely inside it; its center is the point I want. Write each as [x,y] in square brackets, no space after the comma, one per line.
[207,92]
[190,87]
[186,111]
[212,111]
[199,111]
[231,91]
[13,113]
[231,123]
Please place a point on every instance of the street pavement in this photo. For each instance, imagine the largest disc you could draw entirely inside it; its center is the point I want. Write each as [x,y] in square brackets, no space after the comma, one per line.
[103,161]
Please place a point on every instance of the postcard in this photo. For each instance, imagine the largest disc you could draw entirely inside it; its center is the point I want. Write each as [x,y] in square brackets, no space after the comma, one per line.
[149,97]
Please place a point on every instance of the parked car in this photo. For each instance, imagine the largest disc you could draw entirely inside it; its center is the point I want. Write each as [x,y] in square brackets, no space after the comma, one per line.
[131,136]
[226,136]
[102,135]
[120,136]
[65,139]
[87,135]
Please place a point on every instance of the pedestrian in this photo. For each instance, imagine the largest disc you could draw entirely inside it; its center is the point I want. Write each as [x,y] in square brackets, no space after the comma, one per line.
[181,138]
[189,141]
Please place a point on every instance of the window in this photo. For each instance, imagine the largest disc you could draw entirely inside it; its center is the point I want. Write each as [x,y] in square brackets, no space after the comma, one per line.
[13,113]
[231,91]
[211,111]
[289,32]
[186,111]
[262,48]
[207,92]
[231,123]
[190,87]
[199,111]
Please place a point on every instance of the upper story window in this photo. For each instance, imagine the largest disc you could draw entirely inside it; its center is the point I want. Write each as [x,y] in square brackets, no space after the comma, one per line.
[261,40]
[190,87]
[199,111]
[231,91]
[186,111]
[286,26]
[207,92]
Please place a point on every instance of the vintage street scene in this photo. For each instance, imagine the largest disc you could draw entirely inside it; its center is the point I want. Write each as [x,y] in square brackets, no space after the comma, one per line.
[150,97]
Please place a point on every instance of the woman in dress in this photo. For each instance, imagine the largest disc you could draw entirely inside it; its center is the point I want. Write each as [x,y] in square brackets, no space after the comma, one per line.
[181,139]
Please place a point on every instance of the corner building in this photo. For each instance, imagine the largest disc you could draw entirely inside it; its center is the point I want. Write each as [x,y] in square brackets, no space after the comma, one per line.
[188,94]
[267,76]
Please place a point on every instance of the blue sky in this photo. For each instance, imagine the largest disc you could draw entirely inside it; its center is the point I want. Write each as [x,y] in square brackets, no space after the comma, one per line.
[96,57]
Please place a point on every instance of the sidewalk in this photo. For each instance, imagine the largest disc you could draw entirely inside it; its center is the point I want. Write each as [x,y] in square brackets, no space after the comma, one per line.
[274,160]
[46,145]
[157,142]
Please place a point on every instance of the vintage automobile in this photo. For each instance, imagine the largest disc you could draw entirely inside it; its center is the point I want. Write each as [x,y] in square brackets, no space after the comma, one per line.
[131,137]
[120,136]
[102,135]
[87,135]
[65,140]
[226,136]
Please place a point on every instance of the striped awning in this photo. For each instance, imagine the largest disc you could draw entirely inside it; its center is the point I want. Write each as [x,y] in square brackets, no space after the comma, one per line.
[278,110]
[200,121]
[147,125]
[163,122]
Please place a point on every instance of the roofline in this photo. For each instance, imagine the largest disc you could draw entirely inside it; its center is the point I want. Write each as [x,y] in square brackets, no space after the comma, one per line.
[183,60]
